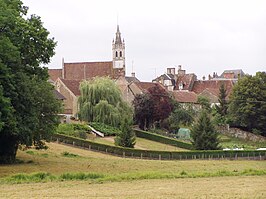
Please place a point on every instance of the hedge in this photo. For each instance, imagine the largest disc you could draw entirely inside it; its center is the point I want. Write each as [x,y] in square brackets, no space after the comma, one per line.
[161,155]
[162,139]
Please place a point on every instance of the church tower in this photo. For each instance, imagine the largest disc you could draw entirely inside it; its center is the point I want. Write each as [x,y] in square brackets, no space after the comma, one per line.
[118,51]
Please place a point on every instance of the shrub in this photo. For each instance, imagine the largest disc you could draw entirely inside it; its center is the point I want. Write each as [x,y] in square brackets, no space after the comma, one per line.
[76,130]
[67,154]
[105,129]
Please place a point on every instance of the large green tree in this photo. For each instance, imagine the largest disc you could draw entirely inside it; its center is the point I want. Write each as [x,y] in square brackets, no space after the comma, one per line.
[101,101]
[203,133]
[28,106]
[220,110]
[247,107]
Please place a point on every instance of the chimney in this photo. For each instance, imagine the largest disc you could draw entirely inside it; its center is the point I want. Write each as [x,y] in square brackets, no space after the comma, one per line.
[133,74]
[171,71]
[210,77]
[203,78]
[180,71]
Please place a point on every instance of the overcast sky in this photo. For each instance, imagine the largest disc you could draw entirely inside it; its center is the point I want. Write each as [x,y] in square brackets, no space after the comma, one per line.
[204,36]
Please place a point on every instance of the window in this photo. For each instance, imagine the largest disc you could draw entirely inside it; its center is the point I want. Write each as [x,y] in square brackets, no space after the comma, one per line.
[120,53]
[116,54]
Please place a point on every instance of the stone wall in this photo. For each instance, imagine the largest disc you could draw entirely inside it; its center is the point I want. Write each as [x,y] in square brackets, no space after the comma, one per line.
[238,133]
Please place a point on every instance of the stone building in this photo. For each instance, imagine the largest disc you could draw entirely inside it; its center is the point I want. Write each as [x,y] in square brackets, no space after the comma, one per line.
[67,79]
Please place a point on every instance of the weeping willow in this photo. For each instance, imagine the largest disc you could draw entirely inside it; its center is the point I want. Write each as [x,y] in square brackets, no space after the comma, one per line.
[101,101]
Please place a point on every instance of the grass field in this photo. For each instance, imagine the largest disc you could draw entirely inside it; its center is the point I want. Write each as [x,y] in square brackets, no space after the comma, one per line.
[125,175]
[231,142]
[141,143]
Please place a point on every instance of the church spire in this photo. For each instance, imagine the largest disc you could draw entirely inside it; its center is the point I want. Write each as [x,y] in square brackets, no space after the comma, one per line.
[118,36]
[118,47]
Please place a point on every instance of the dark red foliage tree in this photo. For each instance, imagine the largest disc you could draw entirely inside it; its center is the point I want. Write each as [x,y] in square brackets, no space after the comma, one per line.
[153,106]
[161,102]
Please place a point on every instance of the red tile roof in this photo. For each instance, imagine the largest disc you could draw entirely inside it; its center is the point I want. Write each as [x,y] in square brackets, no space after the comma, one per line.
[72,85]
[88,70]
[144,86]
[187,80]
[212,86]
[55,73]
[185,96]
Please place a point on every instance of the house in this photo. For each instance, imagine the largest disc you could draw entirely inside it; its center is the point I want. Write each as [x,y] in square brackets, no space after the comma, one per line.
[232,74]
[185,88]
[70,89]
[176,81]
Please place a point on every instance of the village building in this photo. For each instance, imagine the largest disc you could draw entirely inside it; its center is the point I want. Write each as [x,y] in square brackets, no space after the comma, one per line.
[68,78]
[185,87]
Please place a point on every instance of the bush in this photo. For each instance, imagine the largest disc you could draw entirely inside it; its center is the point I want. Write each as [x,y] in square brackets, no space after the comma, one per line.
[70,155]
[75,130]
[105,129]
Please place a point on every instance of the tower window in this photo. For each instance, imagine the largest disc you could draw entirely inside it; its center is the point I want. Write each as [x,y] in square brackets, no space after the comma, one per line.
[120,53]
[116,54]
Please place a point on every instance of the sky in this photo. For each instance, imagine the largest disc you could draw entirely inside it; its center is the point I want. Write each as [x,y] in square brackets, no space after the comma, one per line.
[203,36]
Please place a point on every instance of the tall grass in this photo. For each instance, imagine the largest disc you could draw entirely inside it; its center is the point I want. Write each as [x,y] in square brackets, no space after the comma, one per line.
[100,178]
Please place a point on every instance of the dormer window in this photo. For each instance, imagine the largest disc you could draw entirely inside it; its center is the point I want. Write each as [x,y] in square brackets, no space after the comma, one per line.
[181,86]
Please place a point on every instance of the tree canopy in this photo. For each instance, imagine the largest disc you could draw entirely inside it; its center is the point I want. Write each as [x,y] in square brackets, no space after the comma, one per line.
[101,101]
[28,110]
[153,106]
[247,107]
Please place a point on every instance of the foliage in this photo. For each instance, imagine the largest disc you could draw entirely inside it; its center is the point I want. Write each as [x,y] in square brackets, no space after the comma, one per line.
[204,102]
[143,110]
[247,107]
[28,106]
[180,116]
[101,101]
[107,130]
[203,133]
[150,107]
[127,137]
[73,129]
[220,111]
[161,101]
[69,155]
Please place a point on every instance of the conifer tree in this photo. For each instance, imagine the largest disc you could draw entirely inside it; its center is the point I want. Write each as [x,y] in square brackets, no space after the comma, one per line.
[222,107]
[203,133]
[127,137]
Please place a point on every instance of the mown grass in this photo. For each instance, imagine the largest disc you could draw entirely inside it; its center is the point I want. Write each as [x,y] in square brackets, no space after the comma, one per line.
[141,143]
[100,178]
[63,159]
